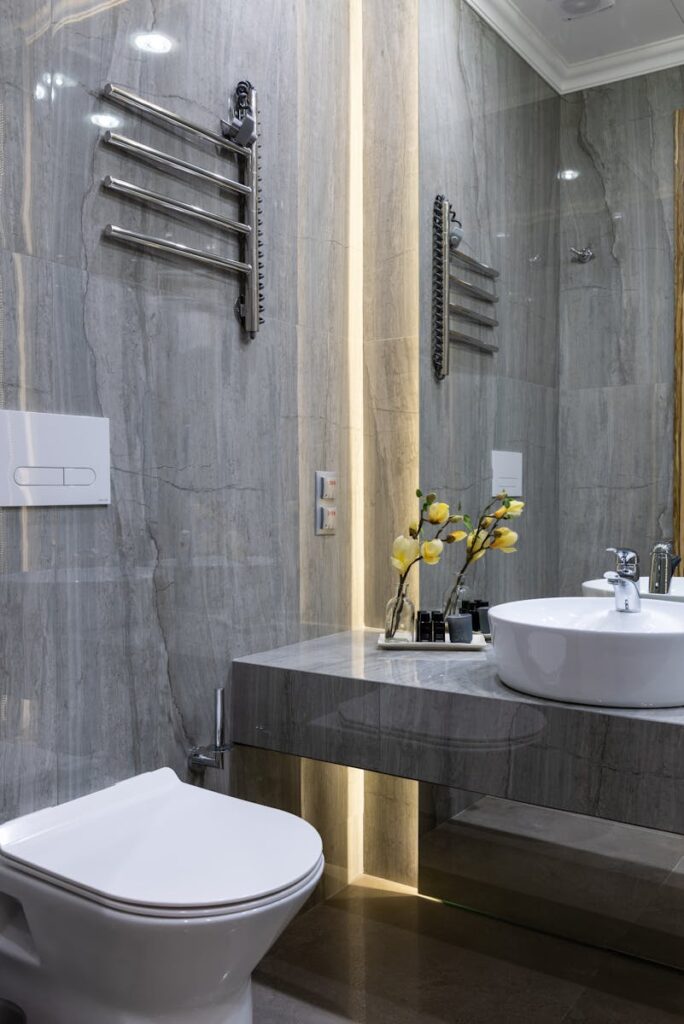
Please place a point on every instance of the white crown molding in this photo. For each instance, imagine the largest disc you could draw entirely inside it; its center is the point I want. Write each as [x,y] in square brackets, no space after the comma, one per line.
[526,39]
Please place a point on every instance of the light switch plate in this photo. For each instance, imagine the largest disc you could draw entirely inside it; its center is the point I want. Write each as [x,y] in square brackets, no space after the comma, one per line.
[50,459]
[325,502]
[507,473]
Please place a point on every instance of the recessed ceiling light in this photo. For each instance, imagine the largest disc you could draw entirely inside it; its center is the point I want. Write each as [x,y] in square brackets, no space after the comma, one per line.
[40,92]
[568,174]
[105,120]
[152,42]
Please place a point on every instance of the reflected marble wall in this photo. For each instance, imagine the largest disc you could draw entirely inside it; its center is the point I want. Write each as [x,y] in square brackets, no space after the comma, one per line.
[116,624]
[617,321]
[489,140]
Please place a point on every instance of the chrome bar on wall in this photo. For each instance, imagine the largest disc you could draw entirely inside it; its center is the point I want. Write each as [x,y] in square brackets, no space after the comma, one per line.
[455,309]
[467,339]
[146,195]
[129,99]
[176,249]
[252,305]
[440,287]
[166,160]
[472,264]
[473,290]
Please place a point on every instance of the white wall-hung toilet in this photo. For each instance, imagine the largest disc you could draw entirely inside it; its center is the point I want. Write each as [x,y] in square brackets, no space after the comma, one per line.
[151,901]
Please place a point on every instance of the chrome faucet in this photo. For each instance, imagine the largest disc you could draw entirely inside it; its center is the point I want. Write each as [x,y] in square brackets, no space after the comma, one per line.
[663,565]
[625,580]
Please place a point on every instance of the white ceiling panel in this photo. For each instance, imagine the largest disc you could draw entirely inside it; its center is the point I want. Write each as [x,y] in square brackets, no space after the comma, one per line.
[630,38]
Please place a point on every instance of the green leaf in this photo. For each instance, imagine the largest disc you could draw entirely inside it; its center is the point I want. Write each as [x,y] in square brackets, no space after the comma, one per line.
[419,493]
[468,522]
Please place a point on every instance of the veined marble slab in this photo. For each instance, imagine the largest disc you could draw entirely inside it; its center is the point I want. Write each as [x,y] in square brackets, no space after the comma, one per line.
[450,720]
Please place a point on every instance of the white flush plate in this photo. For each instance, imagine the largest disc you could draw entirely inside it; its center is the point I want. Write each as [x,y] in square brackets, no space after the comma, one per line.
[49,459]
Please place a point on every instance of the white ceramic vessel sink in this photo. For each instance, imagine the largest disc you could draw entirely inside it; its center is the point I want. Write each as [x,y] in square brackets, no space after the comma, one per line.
[582,650]
[600,588]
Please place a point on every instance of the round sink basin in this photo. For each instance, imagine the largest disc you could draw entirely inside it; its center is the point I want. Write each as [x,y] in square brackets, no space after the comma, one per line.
[580,649]
[600,588]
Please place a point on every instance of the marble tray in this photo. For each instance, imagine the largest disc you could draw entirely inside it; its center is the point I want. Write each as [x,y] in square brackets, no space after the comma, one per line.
[478,644]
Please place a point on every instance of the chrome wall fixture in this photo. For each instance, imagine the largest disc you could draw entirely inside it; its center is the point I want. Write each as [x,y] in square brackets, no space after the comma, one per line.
[200,758]
[239,138]
[585,255]
[451,289]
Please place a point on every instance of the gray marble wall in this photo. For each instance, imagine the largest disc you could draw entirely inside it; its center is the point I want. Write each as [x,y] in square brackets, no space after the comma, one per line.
[117,623]
[489,140]
[616,326]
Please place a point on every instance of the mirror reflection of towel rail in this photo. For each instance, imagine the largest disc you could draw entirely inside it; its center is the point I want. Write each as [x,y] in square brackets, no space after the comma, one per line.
[467,339]
[473,290]
[145,195]
[470,314]
[156,156]
[176,249]
[469,261]
[129,99]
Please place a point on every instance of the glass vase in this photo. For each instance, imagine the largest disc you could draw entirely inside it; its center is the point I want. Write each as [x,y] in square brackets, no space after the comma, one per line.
[454,596]
[400,617]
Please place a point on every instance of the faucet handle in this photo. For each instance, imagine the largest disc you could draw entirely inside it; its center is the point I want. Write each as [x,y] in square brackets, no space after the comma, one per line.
[626,562]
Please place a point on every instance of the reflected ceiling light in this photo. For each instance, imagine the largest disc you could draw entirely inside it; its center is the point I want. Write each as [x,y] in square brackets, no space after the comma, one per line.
[40,92]
[152,42]
[568,174]
[570,9]
[105,120]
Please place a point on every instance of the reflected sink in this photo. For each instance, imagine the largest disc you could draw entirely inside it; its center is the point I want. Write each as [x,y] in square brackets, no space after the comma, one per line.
[580,649]
[600,588]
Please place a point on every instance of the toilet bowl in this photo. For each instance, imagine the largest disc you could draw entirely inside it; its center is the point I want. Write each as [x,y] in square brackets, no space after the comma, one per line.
[151,901]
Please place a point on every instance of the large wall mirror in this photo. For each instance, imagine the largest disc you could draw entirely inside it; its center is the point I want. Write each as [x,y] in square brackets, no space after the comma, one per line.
[582,383]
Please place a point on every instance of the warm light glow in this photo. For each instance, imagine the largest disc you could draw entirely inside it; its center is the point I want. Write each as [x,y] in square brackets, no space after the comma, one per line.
[152,42]
[355,285]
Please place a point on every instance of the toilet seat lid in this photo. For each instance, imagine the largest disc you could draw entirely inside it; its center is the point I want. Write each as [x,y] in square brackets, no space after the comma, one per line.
[154,841]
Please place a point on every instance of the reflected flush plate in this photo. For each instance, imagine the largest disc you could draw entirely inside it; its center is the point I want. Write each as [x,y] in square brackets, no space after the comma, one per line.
[48,459]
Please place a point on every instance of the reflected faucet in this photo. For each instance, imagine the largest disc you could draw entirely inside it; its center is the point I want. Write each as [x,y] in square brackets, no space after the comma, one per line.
[663,565]
[625,580]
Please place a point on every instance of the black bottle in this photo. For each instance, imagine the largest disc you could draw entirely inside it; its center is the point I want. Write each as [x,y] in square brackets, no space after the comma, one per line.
[438,628]
[424,627]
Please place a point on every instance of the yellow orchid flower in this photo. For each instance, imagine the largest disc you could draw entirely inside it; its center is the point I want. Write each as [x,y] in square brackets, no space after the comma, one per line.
[438,512]
[431,550]
[478,541]
[414,526]
[505,540]
[405,551]
[455,536]
[515,508]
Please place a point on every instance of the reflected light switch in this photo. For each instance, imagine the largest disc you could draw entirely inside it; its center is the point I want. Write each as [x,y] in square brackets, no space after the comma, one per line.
[507,473]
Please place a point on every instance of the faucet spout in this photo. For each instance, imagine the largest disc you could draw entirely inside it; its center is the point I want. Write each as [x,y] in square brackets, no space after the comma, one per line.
[627,595]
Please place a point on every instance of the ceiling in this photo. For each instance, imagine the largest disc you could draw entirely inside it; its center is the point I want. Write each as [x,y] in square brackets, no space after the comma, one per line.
[628,38]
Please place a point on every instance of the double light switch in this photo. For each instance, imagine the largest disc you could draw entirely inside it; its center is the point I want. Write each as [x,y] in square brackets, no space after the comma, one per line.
[326,502]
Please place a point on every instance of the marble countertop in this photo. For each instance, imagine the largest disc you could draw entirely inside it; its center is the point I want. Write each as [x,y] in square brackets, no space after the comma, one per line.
[355,655]
[446,718]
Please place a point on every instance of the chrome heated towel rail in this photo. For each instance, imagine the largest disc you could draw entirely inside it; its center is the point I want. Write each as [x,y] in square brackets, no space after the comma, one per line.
[448,265]
[239,138]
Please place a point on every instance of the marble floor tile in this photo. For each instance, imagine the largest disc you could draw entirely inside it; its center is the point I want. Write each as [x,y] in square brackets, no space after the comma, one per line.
[379,953]
[625,991]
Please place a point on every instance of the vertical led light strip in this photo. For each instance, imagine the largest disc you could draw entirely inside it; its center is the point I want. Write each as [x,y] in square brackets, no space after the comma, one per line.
[355,284]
